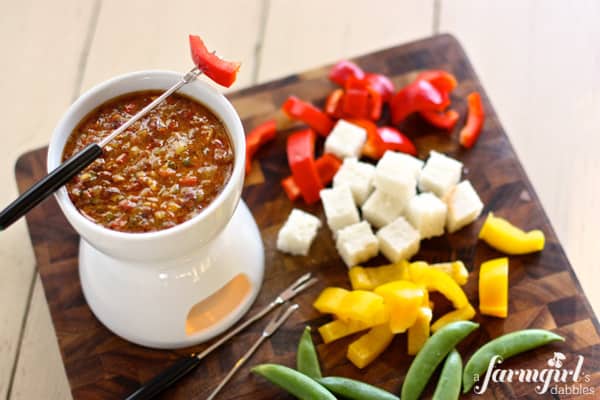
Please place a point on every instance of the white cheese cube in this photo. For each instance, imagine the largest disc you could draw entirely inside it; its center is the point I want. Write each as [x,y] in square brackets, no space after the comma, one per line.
[397,174]
[345,140]
[339,207]
[298,232]
[464,206]
[382,208]
[427,214]
[440,174]
[398,240]
[403,161]
[357,243]
[358,176]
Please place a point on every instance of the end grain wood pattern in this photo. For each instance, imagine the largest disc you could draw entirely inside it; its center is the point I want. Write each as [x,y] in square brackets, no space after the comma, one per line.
[544,292]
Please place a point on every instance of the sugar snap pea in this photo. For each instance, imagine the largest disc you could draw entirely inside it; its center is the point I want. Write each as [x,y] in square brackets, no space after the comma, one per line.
[293,382]
[431,355]
[505,346]
[448,386]
[307,360]
[355,390]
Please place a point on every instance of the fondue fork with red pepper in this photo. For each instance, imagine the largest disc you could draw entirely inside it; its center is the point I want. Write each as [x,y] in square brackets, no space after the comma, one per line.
[220,71]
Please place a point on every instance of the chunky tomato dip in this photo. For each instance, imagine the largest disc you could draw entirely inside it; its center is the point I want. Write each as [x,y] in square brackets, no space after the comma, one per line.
[162,171]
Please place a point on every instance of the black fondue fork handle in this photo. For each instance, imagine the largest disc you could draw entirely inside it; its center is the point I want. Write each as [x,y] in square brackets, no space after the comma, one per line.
[64,172]
[49,184]
[165,379]
[186,364]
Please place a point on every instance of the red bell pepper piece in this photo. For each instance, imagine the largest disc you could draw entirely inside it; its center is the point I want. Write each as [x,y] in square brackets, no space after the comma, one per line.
[354,83]
[333,104]
[309,114]
[222,72]
[444,120]
[342,70]
[381,139]
[475,118]
[366,124]
[327,166]
[375,104]
[301,158]
[386,138]
[377,82]
[381,84]
[291,189]
[373,147]
[374,101]
[355,103]
[442,80]
[395,140]
[373,143]
[257,137]
[379,90]
[417,96]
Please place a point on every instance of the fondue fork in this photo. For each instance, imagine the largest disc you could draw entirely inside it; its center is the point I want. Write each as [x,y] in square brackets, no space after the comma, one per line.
[77,163]
[186,364]
[271,327]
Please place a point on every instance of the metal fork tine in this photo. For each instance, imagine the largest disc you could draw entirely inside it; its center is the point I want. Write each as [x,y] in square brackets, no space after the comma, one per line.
[305,285]
[295,288]
[274,319]
[272,326]
[286,314]
[302,279]
[279,319]
[300,284]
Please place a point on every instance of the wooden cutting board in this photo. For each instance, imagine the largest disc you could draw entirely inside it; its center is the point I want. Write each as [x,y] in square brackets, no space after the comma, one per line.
[544,292]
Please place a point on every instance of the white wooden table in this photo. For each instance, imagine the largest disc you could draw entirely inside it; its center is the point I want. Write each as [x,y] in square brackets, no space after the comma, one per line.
[539,61]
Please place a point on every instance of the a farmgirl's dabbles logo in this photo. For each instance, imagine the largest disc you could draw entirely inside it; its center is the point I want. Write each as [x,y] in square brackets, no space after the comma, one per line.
[555,379]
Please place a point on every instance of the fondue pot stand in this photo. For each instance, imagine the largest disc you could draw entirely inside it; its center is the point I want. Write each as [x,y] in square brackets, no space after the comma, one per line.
[180,286]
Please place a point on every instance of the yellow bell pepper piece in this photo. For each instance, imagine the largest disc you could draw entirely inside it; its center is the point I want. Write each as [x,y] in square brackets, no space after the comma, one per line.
[416,269]
[456,270]
[363,306]
[369,278]
[462,314]
[403,299]
[426,302]
[504,236]
[338,329]
[493,287]
[434,279]
[330,300]
[369,346]
[359,278]
[418,333]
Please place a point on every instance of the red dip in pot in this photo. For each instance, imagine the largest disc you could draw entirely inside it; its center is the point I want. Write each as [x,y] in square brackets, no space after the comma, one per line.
[162,171]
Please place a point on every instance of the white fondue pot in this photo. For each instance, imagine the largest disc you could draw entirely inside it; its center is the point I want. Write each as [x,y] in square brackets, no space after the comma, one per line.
[180,286]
